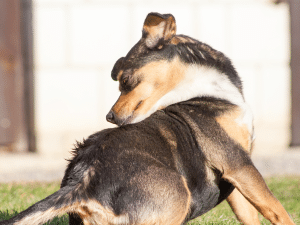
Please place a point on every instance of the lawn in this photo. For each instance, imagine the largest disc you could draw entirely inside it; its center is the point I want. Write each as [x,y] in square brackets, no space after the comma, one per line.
[18,196]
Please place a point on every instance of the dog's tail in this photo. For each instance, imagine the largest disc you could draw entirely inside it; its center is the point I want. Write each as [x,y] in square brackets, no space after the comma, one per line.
[56,204]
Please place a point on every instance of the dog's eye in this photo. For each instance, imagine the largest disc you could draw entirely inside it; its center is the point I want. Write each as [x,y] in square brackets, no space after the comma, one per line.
[160,47]
[125,81]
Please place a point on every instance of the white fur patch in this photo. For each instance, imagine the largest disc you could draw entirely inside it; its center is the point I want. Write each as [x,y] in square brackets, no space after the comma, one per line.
[202,81]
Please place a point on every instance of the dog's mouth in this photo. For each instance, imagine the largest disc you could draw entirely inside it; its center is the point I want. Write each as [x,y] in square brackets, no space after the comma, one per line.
[124,122]
[128,120]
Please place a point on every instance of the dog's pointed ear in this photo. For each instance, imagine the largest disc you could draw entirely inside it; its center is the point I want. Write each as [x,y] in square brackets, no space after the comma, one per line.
[117,69]
[158,29]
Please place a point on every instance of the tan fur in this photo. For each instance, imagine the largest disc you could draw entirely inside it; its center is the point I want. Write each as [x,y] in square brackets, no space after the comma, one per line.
[178,39]
[92,212]
[244,211]
[237,132]
[214,54]
[179,211]
[175,41]
[126,104]
[174,212]
[189,199]
[38,218]
[155,32]
[88,174]
[251,185]
[157,27]
[172,141]
[151,89]
[169,137]
[119,74]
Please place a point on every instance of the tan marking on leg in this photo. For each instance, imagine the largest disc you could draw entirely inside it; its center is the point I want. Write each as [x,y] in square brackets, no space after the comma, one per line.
[243,209]
[180,210]
[252,186]
[92,212]
[38,217]
[188,202]
[174,211]
[237,132]
[41,217]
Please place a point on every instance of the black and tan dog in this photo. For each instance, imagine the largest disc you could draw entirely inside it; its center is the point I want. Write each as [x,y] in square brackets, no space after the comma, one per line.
[182,147]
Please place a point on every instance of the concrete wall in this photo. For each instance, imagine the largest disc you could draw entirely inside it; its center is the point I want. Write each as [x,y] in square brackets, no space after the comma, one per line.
[78,41]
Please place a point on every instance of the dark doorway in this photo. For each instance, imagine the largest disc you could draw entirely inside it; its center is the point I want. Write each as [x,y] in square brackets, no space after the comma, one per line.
[294,6]
[16,76]
[295,68]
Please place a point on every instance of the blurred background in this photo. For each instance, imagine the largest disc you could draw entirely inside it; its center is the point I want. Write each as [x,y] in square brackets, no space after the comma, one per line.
[56,57]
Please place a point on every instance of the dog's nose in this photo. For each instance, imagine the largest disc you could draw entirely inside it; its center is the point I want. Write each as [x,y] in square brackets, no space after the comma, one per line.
[110,117]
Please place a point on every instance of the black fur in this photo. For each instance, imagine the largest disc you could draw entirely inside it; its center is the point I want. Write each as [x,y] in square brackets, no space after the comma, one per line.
[147,140]
[118,155]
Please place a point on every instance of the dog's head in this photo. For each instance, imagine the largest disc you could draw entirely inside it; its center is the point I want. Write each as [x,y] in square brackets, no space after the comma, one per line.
[153,68]
[147,72]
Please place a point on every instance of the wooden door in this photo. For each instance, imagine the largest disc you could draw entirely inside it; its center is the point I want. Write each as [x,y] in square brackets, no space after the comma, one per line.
[14,125]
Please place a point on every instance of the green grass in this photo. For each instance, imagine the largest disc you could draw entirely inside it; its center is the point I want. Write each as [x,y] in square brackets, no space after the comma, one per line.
[16,197]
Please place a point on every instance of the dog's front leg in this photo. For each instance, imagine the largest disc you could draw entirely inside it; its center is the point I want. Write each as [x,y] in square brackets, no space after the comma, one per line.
[243,209]
[252,186]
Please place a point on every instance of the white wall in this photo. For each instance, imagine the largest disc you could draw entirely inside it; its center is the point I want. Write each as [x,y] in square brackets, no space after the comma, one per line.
[78,41]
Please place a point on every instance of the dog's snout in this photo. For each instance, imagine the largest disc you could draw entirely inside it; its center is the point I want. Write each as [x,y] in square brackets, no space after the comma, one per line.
[111,117]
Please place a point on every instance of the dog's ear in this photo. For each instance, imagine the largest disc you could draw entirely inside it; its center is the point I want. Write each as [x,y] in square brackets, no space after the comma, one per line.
[158,29]
[116,71]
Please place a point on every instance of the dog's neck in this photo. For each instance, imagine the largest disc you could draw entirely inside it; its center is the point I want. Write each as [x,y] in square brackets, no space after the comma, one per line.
[200,82]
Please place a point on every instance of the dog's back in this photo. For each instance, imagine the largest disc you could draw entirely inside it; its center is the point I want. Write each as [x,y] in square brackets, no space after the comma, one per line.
[167,176]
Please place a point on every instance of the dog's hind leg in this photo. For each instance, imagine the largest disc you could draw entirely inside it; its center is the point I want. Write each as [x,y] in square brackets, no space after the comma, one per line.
[252,186]
[242,208]
[44,210]
[156,197]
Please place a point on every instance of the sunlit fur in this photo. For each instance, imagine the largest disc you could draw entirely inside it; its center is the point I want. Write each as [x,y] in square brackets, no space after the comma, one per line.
[200,81]
[164,68]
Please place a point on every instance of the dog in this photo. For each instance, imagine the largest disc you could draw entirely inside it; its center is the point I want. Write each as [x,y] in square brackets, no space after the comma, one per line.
[182,146]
